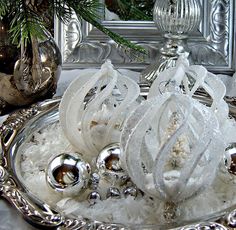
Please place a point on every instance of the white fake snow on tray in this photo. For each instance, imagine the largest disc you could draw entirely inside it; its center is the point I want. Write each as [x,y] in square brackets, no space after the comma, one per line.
[49,142]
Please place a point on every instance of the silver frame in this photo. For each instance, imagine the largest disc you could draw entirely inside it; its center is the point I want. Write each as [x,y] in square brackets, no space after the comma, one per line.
[213,45]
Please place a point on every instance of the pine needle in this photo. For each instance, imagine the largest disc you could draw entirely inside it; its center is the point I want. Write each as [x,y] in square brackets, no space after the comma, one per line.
[90,15]
[28,22]
[130,12]
[4,7]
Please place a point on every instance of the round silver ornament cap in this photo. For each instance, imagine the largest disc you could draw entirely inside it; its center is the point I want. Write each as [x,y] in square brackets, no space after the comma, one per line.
[68,173]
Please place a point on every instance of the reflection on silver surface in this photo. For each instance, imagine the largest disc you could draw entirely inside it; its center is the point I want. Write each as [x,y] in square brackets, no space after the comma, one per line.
[29,73]
[211,45]
[93,197]
[68,173]
[130,191]
[113,193]
[94,181]
[176,21]
[230,161]
[109,165]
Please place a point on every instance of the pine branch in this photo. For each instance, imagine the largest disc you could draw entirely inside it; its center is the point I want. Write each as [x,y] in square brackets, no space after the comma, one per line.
[4,7]
[90,15]
[61,9]
[91,6]
[129,10]
[117,38]
[28,19]
[135,13]
[26,24]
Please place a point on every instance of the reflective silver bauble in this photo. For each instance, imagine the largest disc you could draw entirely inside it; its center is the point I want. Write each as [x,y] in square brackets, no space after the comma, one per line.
[68,173]
[130,191]
[29,73]
[230,158]
[93,197]
[124,180]
[113,193]
[109,165]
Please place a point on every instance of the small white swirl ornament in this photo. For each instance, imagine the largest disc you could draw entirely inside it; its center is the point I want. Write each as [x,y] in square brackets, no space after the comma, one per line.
[94,107]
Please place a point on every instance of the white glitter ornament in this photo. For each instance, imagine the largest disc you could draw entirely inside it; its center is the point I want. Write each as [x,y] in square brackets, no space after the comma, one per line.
[191,78]
[93,109]
[171,146]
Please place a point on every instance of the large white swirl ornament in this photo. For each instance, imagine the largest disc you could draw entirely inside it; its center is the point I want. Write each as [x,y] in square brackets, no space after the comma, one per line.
[171,146]
[93,109]
[190,78]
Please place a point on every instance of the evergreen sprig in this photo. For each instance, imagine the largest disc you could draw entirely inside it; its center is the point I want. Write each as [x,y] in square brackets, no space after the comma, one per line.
[26,24]
[128,11]
[28,17]
[61,10]
[90,15]
[4,7]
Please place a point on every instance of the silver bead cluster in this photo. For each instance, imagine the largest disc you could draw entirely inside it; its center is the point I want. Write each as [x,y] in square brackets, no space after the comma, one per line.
[94,196]
[68,173]
[109,169]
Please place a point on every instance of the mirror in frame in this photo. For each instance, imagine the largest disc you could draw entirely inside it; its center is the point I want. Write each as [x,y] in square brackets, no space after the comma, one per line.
[211,45]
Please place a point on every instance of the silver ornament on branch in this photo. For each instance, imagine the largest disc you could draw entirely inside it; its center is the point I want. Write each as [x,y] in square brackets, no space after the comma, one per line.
[27,74]
[92,124]
[68,174]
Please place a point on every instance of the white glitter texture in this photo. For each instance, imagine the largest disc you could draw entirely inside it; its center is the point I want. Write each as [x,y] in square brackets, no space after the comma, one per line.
[51,141]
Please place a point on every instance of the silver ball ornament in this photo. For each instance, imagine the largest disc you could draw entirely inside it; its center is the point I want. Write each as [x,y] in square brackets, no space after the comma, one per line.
[68,173]
[109,165]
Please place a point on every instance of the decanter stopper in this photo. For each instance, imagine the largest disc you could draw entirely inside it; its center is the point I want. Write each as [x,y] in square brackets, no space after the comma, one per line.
[176,19]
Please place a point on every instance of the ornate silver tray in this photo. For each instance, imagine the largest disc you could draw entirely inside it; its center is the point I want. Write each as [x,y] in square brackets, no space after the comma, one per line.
[20,125]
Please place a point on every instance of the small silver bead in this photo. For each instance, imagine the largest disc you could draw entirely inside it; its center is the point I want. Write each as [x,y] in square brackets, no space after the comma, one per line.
[94,181]
[95,178]
[230,158]
[124,180]
[93,197]
[113,192]
[130,191]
